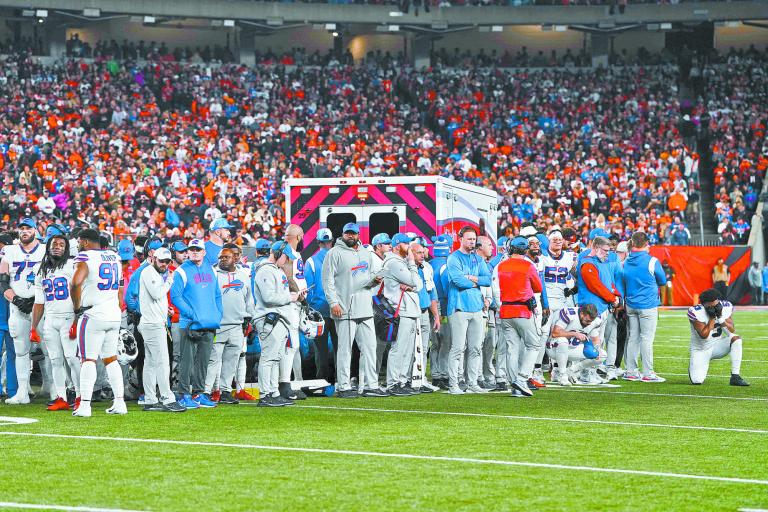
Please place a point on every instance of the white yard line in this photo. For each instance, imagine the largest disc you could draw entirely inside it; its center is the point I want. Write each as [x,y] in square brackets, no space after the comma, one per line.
[407,456]
[714,397]
[708,376]
[688,359]
[536,418]
[36,506]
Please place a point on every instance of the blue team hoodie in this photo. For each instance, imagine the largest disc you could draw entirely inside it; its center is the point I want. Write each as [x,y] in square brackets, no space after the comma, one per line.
[643,274]
[196,294]
[463,294]
[132,290]
[3,315]
[313,275]
[441,281]
[212,252]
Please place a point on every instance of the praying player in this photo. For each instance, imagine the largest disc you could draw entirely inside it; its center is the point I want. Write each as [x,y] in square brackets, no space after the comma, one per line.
[575,337]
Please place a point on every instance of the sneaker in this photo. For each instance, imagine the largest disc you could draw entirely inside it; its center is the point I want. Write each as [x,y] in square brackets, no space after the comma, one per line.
[424,390]
[591,378]
[653,378]
[245,396]
[533,381]
[456,391]
[282,402]
[300,395]
[563,379]
[187,402]
[463,385]
[517,394]
[411,390]
[476,389]
[156,407]
[268,401]
[440,383]
[225,397]
[17,399]
[614,373]
[631,376]
[538,376]
[501,386]
[430,387]
[77,404]
[203,400]
[173,407]
[59,405]
[286,391]
[142,399]
[522,387]
[374,393]
[83,410]
[216,396]
[736,380]
[71,396]
[399,390]
[347,393]
[118,407]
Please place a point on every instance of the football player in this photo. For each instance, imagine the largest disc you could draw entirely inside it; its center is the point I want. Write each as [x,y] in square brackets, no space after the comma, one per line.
[97,291]
[575,337]
[59,328]
[17,282]
[713,336]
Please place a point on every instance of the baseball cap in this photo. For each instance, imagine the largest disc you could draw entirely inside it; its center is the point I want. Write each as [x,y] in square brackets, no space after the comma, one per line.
[220,223]
[196,243]
[324,235]
[179,246]
[443,240]
[28,221]
[401,238]
[262,243]
[502,241]
[125,250]
[163,254]
[282,246]
[597,232]
[351,226]
[155,244]
[519,242]
[381,238]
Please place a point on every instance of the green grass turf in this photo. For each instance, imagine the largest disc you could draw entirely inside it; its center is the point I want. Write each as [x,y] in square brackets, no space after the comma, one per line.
[120,474]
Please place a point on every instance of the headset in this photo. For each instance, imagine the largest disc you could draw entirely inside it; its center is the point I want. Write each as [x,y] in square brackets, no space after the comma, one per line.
[466,229]
[279,251]
[153,238]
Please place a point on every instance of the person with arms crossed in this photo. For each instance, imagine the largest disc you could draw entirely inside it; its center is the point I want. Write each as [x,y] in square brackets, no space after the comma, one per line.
[713,336]
[96,291]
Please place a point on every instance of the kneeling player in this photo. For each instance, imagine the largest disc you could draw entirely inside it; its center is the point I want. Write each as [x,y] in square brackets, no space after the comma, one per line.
[575,337]
[713,336]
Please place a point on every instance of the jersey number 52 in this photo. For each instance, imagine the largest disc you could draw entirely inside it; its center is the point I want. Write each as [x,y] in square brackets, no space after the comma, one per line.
[555,274]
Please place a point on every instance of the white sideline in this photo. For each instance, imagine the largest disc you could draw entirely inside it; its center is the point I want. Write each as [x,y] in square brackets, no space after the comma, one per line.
[715,397]
[537,418]
[35,506]
[409,456]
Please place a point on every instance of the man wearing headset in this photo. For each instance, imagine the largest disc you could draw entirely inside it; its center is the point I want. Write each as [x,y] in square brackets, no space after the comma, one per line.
[290,359]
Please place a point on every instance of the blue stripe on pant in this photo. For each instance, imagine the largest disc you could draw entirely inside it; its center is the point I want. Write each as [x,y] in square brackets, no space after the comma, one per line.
[11,384]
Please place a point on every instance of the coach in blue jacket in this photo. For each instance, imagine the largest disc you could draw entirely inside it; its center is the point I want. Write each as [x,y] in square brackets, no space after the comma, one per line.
[643,275]
[313,275]
[196,294]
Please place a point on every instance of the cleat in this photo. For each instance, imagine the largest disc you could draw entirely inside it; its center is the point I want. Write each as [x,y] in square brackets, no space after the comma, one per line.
[245,396]
[347,393]
[269,401]
[71,396]
[226,397]
[537,382]
[590,378]
[118,407]
[522,387]
[216,396]
[736,380]
[501,386]
[83,410]
[563,380]
[58,405]
[17,400]
[300,395]
[424,389]
[77,403]
[476,389]
[631,376]
[203,400]
[426,385]
[440,383]
[463,385]
[187,402]
[653,378]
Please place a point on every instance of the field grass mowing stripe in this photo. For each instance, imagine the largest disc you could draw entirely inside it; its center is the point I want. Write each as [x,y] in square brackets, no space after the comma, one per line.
[708,376]
[671,395]
[36,506]
[536,418]
[407,456]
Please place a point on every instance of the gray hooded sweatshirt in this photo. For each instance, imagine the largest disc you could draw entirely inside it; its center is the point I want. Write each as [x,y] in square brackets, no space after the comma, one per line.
[347,280]
[271,292]
[236,298]
[397,271]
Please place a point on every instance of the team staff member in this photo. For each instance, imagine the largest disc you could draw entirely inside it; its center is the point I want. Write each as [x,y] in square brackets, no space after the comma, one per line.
[219,234]
[290,358]
[467,272]
[154,285]
[643,275]
[179,255]
[428,305]
[17,279]
[347,281]
[6,341]
[237,305]
[196,294]
[515,281]
[273,300]
[441,337]
[401,287]
[381,244]
[488,380]
[313,274]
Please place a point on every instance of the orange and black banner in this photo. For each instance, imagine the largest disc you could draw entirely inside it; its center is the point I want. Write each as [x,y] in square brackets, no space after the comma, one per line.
[693,271]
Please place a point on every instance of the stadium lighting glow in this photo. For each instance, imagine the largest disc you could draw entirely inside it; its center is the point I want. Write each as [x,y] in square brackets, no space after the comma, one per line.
[92,12]
[41,13]
[561,28]
[665,26]
[330,26]
[497,28]
[335,34]
[395,14]
[229,23]
[393,28]
[149,19]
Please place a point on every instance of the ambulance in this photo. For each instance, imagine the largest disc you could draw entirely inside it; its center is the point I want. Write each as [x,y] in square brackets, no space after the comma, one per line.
[423,206]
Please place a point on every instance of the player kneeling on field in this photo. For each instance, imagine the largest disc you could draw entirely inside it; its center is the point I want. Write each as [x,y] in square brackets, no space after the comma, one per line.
[713,336]
[575,337]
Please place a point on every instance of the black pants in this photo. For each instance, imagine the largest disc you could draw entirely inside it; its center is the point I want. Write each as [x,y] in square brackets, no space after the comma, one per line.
[325,358]
[621,337]
[138,363]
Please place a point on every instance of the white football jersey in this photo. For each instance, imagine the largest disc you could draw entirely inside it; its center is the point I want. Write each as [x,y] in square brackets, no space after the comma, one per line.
[698,313]
[298,273]
[568,319]
[101,287]
[22,267]
[52,290]
[557,277]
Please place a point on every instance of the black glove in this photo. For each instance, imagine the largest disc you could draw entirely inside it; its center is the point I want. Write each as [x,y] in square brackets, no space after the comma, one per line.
[24,305]
[571,291]
[544,318]
[133,317]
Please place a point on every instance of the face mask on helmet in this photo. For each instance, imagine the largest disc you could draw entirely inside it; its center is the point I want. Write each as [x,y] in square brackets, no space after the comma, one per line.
[127,349]
[311,323]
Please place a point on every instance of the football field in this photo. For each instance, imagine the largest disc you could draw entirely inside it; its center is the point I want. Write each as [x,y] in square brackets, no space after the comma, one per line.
[639,447]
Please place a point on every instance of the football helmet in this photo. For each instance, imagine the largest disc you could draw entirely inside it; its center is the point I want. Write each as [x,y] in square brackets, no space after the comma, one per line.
[127,349]
[311,323]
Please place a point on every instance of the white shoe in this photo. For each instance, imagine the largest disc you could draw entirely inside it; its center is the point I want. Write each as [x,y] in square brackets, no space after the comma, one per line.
[455,391]
[563,379]
[17,400]
[591,378]
[83,411]
[522,387]
[517,394]
[476,389]
[615,373]
[428,385]
[118,408]
[653,378]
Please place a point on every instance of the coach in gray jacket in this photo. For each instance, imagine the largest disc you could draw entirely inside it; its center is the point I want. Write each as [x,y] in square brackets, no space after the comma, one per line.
[347,281]
[401,286]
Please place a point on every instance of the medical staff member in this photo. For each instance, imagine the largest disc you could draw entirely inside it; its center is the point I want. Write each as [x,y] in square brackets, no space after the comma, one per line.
[381,244]
[430,314]
[313,274]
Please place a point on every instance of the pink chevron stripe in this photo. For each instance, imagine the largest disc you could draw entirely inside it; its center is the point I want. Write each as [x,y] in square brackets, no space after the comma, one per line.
[347,196]
[431,191]
[411,201]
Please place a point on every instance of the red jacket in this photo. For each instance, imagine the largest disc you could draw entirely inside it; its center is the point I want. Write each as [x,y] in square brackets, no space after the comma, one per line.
[518,281]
